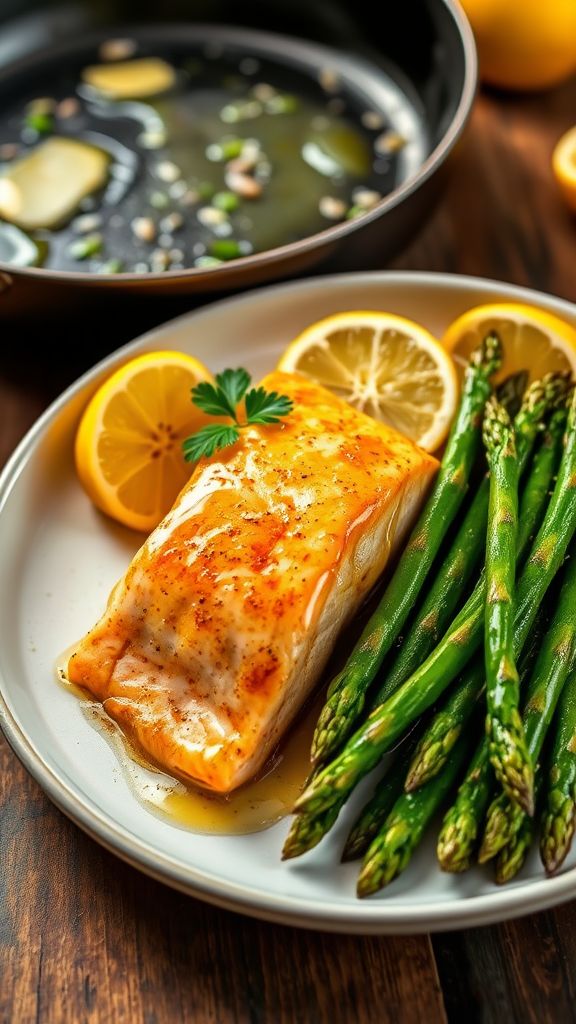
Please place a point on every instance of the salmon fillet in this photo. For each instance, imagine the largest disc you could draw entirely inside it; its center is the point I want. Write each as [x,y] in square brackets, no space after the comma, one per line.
[225,619]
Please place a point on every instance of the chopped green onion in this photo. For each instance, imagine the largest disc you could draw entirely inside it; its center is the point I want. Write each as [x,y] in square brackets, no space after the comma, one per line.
[159,200]
[112,266]
[226,201]
[85,247]
[225,249]
[227,149]
[205,190]
[207,261]
[39,122]
[284,103]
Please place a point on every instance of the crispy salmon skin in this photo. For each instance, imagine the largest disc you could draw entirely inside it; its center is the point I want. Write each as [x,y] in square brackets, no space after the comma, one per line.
[225,619]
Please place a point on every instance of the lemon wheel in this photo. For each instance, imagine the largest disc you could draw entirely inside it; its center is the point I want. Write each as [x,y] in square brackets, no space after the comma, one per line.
[384,365]
[129,443]
[532,339]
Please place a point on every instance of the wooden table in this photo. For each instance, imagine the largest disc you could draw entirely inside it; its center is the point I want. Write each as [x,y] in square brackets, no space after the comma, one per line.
[85,938]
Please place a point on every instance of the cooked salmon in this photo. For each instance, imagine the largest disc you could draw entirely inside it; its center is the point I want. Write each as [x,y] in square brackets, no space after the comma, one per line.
[225,619]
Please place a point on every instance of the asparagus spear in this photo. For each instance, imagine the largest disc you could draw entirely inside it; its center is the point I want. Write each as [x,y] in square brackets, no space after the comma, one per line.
[512,857]
[559,819]
[457,838]
[447,724]
[307,830]
[464,556]
[376,810]
[463,820]
[506,740]
[347,691]
[384,725]
[444,729]
[392,849]
[546,683]
[450,720]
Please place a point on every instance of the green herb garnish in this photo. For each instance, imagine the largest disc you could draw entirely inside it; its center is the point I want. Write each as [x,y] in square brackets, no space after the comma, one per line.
[40,122]
[222,399]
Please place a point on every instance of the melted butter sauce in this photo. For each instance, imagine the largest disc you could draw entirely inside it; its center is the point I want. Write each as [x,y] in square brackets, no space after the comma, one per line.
[252,808]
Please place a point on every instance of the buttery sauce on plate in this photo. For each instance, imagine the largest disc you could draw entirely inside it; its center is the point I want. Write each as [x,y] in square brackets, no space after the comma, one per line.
[252,808]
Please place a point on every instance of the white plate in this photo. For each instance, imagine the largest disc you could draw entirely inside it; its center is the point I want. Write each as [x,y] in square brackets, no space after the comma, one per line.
[58,561]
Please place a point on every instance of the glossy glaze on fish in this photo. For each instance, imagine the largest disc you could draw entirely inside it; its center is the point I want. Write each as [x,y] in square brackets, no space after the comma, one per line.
[226,617]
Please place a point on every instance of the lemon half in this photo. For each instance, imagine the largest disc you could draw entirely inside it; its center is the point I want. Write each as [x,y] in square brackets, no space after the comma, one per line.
[532,339]
[129,443]
[384,365]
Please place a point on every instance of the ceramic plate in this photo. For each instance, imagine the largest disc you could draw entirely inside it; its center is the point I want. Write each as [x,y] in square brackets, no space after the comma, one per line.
[58,561]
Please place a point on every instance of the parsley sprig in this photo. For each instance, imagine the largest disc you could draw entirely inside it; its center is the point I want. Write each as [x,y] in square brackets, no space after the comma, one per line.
[223,399]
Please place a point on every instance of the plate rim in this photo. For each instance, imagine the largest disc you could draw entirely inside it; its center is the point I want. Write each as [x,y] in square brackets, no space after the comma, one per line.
[362,918]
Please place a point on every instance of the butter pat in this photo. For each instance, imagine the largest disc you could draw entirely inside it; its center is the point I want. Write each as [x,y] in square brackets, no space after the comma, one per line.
[130,79]
[45,188]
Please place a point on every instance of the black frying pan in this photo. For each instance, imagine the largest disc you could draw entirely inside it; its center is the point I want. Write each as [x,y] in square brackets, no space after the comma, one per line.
[427,47]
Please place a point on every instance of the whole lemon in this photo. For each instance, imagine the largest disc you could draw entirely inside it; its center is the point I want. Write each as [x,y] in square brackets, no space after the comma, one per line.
[524,44]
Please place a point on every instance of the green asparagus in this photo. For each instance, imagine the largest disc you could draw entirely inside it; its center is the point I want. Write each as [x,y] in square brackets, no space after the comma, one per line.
[451,581]
[506,740]
[307,830]
[546,683]
[450,719]
[559,819]
[392,849]
[388,722]
[445,728]
[463,821]
[374,813]
[457,839]
[346,694]
[512,857]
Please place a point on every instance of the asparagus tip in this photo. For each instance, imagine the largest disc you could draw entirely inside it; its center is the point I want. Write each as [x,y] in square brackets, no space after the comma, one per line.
[489,849]
[370,881]
[488,353]
[292,846]
[554,849]
[456,842]
[497,424]
[355,846]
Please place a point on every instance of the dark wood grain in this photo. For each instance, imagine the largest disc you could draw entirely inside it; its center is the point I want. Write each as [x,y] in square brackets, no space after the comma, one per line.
[525,968]
[84,938]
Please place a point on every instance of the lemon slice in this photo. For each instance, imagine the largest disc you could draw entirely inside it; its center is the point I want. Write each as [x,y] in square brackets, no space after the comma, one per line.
[532,339]
[128,446]
[384,365]
[564,166]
